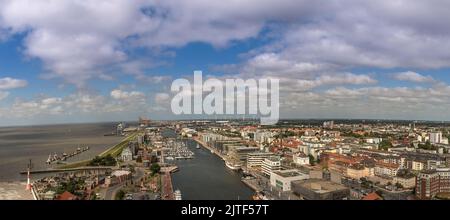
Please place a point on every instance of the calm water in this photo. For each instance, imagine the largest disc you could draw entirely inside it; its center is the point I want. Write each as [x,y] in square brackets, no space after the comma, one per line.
[206,178]
[19,144]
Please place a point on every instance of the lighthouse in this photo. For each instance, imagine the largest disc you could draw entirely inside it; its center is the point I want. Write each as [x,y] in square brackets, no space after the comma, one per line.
[28,187]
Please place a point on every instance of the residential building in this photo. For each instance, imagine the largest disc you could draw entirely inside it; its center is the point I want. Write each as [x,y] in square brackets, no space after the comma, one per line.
[436,137]
[431,182]
[427,184]
[386,169]
[359,171]
[301,159]
[406,179]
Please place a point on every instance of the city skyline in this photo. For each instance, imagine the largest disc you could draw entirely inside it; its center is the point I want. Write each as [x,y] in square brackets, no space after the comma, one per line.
[115,60]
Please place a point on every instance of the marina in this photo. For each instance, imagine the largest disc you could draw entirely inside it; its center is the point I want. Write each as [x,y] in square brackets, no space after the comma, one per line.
[177,150]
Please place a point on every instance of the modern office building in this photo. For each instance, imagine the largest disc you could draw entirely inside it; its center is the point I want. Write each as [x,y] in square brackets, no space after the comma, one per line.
[256,159]
[271,164]
[317,189]
[282,179]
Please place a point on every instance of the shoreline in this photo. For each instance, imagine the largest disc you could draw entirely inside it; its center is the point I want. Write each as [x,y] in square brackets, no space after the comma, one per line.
[209,148]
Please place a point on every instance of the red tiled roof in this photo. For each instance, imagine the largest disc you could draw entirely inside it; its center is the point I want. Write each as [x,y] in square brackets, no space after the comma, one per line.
[372,196]
[67,196]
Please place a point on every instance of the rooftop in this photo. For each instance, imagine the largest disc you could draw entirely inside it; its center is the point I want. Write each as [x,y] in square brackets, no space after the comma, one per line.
[289,173]
[319,185]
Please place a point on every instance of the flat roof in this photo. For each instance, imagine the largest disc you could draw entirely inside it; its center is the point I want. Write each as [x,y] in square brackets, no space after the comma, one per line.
[319,186]
[289,173]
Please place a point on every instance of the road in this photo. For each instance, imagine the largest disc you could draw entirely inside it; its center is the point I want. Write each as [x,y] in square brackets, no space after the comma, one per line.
[110,193]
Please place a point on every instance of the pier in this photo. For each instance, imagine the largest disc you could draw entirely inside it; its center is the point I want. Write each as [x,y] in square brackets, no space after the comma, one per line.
[80,169]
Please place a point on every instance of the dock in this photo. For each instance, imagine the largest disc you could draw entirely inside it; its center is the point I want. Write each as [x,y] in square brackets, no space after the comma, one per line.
[67,170]
[251,183]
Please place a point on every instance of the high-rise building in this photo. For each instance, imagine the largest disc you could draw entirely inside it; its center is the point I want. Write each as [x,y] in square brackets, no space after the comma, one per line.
[436,137]
[431,182]
[328,124]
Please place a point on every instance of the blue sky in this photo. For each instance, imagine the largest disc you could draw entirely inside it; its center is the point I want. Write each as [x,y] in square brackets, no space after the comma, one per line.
[108,61]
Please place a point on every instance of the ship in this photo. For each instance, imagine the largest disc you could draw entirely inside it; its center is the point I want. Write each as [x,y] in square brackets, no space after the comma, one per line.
[198,146]
[232,166]
[177,194]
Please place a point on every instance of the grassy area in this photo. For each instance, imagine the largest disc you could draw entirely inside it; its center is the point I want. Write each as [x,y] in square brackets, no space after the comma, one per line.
[117,149]
[113,151]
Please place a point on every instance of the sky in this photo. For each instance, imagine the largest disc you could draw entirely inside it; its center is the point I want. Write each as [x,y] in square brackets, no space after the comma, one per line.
[114,60]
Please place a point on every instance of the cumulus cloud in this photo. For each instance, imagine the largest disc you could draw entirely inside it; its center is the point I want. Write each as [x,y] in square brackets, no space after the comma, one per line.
[413,77]
[3,95]
[88,36]
[11,83]
[162,98]
[124,95]
[310,44]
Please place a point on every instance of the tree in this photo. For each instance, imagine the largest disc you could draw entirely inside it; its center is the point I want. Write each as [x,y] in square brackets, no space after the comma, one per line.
[155,168]
[311,160]
[385,145]
[120,195]
[108,160]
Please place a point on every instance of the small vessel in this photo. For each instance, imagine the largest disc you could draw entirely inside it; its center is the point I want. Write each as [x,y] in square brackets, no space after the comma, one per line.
[177,194]
[49,160]
[232,166]
[198,146]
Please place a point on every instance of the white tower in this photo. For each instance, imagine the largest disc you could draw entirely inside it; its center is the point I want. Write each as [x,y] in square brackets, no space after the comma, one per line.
[28,187]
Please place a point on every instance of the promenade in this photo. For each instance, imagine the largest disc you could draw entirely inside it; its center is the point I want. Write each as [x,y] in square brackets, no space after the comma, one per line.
[167,188]
[209,148]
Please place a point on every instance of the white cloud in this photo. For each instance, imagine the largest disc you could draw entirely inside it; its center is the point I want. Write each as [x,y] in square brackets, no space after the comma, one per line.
[124,95]
[413,77]
[3,95]
[162,98]
[78,39]
[10,83]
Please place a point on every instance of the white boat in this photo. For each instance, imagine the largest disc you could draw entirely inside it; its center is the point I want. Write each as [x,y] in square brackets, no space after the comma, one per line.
[177,194]
[198,146]
[232,166]
[170,158]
